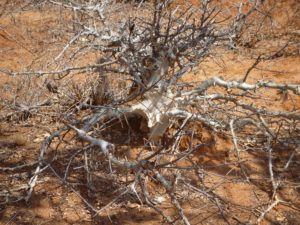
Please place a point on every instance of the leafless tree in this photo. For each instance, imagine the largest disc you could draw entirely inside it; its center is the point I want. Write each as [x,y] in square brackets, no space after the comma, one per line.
[137,98]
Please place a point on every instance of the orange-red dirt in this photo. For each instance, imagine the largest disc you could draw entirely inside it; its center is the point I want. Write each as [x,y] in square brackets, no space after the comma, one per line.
[54,203]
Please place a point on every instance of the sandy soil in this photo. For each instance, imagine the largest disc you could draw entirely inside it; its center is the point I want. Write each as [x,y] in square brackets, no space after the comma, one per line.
[54,203]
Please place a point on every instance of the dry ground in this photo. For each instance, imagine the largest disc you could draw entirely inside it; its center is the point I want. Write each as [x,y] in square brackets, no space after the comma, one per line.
[54,203]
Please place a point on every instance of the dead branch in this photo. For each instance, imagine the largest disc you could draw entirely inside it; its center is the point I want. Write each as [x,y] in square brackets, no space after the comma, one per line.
[159,136]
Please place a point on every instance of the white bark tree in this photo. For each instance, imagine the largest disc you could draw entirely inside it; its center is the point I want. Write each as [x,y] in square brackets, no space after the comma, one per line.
[143,57]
